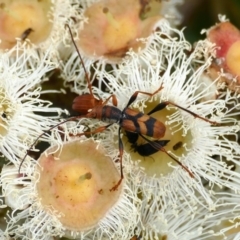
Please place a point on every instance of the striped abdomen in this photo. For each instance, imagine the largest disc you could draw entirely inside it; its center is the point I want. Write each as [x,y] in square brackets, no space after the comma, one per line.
[106,114]
[139,122]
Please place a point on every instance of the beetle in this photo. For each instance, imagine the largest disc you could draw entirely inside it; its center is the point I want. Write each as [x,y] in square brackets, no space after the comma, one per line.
[149,148]
[128,119]
[145,149]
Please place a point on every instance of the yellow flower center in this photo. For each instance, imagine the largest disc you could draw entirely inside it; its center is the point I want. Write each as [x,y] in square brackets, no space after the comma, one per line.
[24,19]
[76,181]
[119,33]
[233,58]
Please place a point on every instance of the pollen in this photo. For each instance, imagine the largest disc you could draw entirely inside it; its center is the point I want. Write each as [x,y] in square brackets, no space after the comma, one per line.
[24,19]
[78,183]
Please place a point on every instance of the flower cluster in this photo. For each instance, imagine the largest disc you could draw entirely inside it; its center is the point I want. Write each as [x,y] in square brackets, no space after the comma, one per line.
[150,150]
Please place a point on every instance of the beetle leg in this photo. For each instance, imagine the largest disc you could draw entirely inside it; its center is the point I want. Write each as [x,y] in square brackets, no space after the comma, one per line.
[157,146]
[132,136]
[114,100]
[134,96]
[162,105]
[120,144]
[98,130]
[159,107]
[41,135]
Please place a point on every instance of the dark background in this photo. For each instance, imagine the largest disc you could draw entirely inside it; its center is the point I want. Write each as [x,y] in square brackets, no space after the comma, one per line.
[202,14]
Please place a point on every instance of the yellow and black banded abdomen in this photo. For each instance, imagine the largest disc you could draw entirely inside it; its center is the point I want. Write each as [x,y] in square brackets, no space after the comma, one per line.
[139,122]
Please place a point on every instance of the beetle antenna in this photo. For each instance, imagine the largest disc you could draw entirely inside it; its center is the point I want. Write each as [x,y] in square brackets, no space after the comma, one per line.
[81,60]
[160,148]
[51,128]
